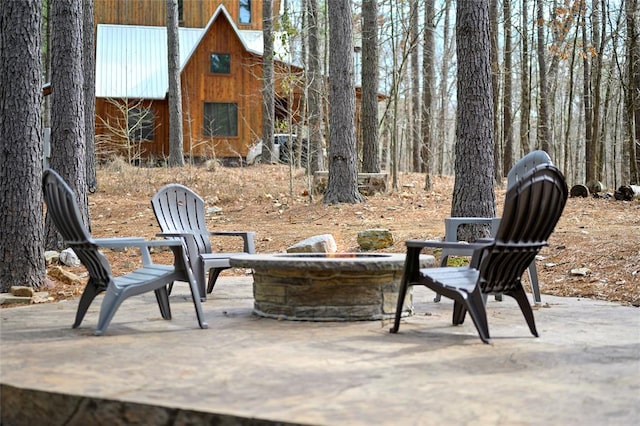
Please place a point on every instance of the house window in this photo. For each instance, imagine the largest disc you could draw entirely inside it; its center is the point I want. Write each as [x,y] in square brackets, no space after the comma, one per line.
[220,119]
[220,63]
[140,122]
[244,12]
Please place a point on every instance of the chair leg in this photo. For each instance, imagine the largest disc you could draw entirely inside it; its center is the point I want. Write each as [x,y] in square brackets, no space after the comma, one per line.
[402,293]
[162,296]
[525,307]
[213,276]
[478,313]
[459,312]
[113,298]
[195,296]
[533,279]
[90,292]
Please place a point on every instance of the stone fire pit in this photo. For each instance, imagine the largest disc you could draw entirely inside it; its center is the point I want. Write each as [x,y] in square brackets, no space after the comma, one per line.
[327,287]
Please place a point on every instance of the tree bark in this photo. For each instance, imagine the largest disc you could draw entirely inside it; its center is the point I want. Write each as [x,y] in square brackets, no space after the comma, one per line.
[473,193]
[544,134]
[21,155]
[68,152]
[495,86]
[89,72]
[343,170]
[268,91]
[414,60]
[176,157]
[314,75]
[525,85]
[370,67]
[428,65]
[507,120]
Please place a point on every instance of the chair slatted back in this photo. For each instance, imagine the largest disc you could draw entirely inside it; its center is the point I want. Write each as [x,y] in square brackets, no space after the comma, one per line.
[179,209]
[65,214]
[531,211]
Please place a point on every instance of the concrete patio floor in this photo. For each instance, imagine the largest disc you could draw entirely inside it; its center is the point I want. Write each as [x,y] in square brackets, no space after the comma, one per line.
[583,369]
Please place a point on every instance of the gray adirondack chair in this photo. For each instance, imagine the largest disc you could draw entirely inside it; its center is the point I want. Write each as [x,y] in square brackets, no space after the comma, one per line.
[180,213]
[65,214]
[451,224]
[532,209]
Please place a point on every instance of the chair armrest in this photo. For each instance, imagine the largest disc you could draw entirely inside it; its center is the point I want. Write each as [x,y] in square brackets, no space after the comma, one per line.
[247,237]
[448,244]
[139,242]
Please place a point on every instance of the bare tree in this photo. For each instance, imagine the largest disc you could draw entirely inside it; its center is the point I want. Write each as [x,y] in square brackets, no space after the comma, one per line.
[314,76]
[176,157]
[632,99]
[343,168]
[525,85]
[544,133]
[67,108]
[370,67]
[22,242]
[495,85]
[268,90]
[473,193]
[507,124]
[428,71]
[414,45]
[89,72]
[443,90]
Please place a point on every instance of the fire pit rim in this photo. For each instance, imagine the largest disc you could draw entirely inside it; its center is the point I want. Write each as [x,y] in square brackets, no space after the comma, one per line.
[322,262]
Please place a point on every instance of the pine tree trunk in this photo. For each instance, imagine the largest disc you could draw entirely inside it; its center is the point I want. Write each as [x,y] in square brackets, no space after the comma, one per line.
[415,87]
[314,76]
[473,193]
[343,169]
[428,66]
[89,71]
[176,157]
[21,155]
[370,68]
[268,91]
[68,152]
[507,123]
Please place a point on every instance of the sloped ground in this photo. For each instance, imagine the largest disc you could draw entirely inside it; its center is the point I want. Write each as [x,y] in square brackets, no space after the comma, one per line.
[601,235]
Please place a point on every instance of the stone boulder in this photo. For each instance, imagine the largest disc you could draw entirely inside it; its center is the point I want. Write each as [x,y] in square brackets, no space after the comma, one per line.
[324,243]
[375,239]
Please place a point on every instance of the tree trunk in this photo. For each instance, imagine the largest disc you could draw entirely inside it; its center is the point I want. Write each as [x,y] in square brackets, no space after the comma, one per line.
[428,64]
[544,134]
[68,152]
[415,87]
[89,72]
[633,92]
[268,90]
[343,171]
[495,86]
[525,86]
[176,157]
[314,75]
[444,98]
[586,95]
[370,67]
[473,193]
[22,242]
[507,123]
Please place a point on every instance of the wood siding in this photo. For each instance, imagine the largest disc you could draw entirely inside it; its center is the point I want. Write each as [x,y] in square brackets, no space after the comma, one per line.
[195,13]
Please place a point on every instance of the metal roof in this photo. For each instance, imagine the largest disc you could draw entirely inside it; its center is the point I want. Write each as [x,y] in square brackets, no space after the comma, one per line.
[131,61]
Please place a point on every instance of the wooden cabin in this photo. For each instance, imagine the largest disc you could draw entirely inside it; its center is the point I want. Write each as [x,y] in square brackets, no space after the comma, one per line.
[221,78]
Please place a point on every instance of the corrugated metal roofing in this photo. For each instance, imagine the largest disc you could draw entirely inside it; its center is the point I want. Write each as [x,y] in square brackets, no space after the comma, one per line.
[131,61]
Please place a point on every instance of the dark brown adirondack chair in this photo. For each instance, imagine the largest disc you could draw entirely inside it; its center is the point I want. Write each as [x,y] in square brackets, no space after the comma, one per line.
[64,211]
[451,224]
[531,211]
[180,213]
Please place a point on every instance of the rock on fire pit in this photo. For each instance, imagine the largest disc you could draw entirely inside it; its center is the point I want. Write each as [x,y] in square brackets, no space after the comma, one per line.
[327,287]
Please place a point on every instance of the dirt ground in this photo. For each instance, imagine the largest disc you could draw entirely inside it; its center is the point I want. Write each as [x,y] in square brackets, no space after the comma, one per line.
[601,235]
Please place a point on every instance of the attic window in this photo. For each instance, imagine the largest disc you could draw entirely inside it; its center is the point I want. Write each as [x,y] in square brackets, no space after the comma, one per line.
[220,63]
[244,12]
[220,119]
[140,122]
